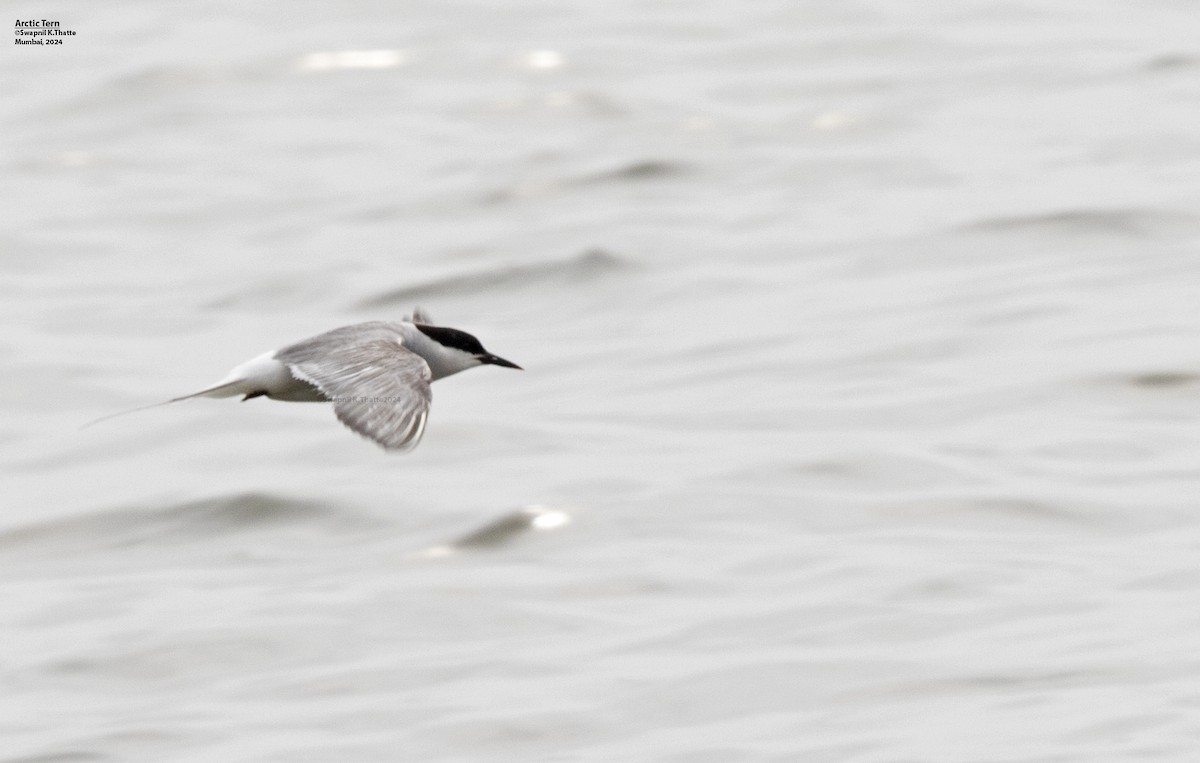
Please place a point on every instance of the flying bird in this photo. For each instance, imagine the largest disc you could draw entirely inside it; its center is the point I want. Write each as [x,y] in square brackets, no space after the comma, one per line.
[376,374]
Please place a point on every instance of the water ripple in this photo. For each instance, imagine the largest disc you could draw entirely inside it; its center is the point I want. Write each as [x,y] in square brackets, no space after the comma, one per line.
[589,265]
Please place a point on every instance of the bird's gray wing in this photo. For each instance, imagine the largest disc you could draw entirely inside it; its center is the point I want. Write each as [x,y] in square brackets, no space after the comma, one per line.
[378,388]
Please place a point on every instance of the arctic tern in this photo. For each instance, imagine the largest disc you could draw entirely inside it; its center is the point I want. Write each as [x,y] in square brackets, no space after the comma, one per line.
[376,374]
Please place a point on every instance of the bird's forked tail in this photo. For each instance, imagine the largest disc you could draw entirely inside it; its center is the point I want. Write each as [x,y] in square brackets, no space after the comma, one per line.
[224,389]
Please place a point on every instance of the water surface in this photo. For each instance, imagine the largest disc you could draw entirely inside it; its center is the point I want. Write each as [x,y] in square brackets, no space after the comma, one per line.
[861,357]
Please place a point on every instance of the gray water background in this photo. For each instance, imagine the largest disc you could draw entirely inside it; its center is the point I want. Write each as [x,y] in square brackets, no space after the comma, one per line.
[861,350]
